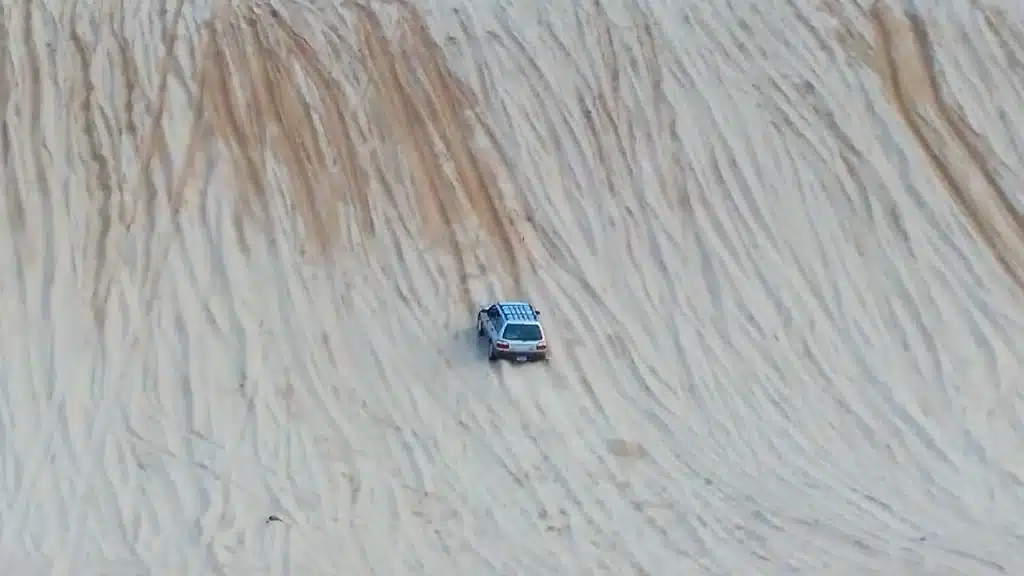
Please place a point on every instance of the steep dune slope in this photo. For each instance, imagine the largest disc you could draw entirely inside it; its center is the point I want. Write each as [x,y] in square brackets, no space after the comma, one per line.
[778,247]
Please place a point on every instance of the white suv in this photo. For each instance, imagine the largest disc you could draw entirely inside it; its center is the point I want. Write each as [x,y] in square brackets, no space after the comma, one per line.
[513,331]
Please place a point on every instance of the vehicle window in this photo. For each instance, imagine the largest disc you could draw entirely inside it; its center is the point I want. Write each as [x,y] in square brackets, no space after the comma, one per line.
[522,332]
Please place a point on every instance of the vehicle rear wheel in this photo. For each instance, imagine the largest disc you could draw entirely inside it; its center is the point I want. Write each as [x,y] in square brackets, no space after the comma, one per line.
[492,354]
[479,329]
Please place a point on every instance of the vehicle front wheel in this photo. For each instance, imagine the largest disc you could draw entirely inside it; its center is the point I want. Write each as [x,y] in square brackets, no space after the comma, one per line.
[479,329]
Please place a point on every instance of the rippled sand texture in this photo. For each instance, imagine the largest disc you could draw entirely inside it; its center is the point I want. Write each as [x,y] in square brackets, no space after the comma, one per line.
[778,246]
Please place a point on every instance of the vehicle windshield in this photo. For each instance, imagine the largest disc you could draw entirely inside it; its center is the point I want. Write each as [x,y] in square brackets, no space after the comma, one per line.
[522,332]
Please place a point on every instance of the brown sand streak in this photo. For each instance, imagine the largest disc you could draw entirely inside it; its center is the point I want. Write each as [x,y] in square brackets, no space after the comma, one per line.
[451,108]
[904,63]
[250,73]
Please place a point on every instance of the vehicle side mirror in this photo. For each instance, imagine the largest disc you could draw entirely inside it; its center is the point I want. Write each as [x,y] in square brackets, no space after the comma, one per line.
[536,312]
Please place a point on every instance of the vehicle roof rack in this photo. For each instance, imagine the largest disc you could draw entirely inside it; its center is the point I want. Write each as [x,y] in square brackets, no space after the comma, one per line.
[518,311]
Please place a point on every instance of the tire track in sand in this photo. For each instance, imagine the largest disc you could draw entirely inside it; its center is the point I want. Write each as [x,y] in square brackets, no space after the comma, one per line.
[15,209]
[263,88]
[907,68]
[268,99]
[101,179]
[403,123]
[461,122]
[252,76]
[430,116]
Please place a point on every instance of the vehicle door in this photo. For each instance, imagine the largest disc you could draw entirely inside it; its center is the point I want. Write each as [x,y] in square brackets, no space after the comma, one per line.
[493,323]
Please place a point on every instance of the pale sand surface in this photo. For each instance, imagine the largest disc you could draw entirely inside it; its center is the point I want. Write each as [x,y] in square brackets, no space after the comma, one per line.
[778,247]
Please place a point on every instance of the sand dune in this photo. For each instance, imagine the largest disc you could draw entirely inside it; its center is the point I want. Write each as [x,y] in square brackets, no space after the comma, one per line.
[778,247]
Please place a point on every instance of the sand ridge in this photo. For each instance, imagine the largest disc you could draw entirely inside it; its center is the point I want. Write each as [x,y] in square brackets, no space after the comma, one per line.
[776,247]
